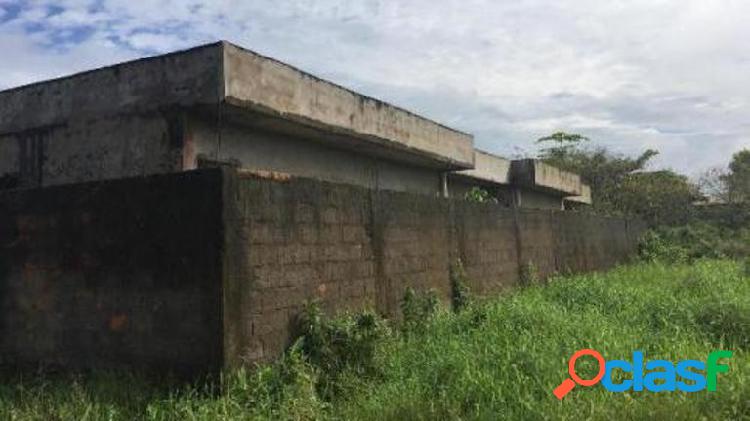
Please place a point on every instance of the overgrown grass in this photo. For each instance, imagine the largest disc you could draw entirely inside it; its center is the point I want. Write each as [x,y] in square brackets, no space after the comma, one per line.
[499,359]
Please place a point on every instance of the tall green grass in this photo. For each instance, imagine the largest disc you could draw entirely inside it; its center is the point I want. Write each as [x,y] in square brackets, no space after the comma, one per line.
[497,359]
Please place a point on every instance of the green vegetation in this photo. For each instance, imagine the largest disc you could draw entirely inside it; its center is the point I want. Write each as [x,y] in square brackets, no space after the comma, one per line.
[620,184]
[479,195]
[498,359]
[730,184]
[684,225]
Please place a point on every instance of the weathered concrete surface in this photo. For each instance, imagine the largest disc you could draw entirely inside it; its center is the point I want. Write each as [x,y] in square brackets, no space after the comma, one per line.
[209,268]
[269,86]
[584,198]
[133,119]
[488,167]
[526,198]
[537,175]
[262,149]
[126,145]
[182,79]
[522,183]
[114,274]
[294,240]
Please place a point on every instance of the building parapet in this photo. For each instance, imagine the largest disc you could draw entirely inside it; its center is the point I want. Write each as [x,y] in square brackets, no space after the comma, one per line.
[536,175]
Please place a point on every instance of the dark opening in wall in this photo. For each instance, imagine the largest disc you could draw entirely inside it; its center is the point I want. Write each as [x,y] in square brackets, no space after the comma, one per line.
[206,162]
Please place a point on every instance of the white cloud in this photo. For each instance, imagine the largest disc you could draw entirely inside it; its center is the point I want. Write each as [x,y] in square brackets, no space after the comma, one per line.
[668,74]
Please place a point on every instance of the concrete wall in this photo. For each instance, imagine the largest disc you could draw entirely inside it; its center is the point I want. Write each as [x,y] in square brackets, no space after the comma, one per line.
[197,270]
[125,145]
[532,199]
[268,86]
[184,79]
[128,119]
[295,240]
[113,274]
[255,149]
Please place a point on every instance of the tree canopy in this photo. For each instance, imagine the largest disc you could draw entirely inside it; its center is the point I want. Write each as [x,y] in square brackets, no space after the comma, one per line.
[619,183]
[738,178]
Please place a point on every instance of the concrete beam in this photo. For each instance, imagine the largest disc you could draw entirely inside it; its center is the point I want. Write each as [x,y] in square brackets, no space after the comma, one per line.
[583,198]
[267,86]
[536,175]
[488,168]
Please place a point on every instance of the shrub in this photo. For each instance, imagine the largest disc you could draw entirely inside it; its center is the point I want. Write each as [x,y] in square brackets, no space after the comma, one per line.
[460,295]
[479,195]
[726,323]
[653,247]
[529,274]
[341,346]
[417,309]
[697,240]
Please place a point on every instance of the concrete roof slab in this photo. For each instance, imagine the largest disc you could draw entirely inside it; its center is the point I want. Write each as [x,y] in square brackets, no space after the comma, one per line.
[537,175]
[268,86]
[222,73]
[489,168]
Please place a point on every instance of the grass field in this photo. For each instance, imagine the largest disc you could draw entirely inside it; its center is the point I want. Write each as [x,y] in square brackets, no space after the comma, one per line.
[499,359]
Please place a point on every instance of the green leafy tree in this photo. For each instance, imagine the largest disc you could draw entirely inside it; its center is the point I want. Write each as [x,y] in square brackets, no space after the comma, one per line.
[603,170]
[738,179]
[660,197]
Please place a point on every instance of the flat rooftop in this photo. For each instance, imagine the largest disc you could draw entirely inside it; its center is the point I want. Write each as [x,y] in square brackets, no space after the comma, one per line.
[250,88]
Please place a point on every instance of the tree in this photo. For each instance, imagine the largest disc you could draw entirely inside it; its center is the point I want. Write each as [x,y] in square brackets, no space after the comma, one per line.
[713,183]
[659,197]
[602,170]
[738,178]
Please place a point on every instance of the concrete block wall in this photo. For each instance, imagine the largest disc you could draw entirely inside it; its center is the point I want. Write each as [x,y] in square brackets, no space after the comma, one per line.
[206,269]
[351,248]
[113,274]
[289,243]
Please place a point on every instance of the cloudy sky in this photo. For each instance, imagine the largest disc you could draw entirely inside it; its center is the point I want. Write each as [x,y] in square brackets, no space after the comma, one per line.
[673,75]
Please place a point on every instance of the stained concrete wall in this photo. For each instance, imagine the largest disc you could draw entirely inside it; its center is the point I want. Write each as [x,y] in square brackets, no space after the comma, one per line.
[184,79]
[209,268]
[128,119]
[294,240]
[254,148]
[261,84]
[125,145]
[532,199]
[113,274]
[535,174]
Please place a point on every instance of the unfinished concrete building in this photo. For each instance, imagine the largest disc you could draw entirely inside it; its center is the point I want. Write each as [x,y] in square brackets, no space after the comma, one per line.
[219,104]
[524,183]
[178,212]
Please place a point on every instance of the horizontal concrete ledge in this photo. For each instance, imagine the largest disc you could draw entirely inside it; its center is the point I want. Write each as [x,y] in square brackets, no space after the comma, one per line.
[537,175]
[268,86]
[583,198]
[487,168]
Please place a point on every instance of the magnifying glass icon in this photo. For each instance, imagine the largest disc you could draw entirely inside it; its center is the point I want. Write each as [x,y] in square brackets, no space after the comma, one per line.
[568,384]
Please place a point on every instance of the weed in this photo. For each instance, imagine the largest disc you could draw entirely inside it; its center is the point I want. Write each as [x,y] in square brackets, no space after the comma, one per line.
[342,345]
[417,309]
[460,295]
[498,359]
[529,274]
